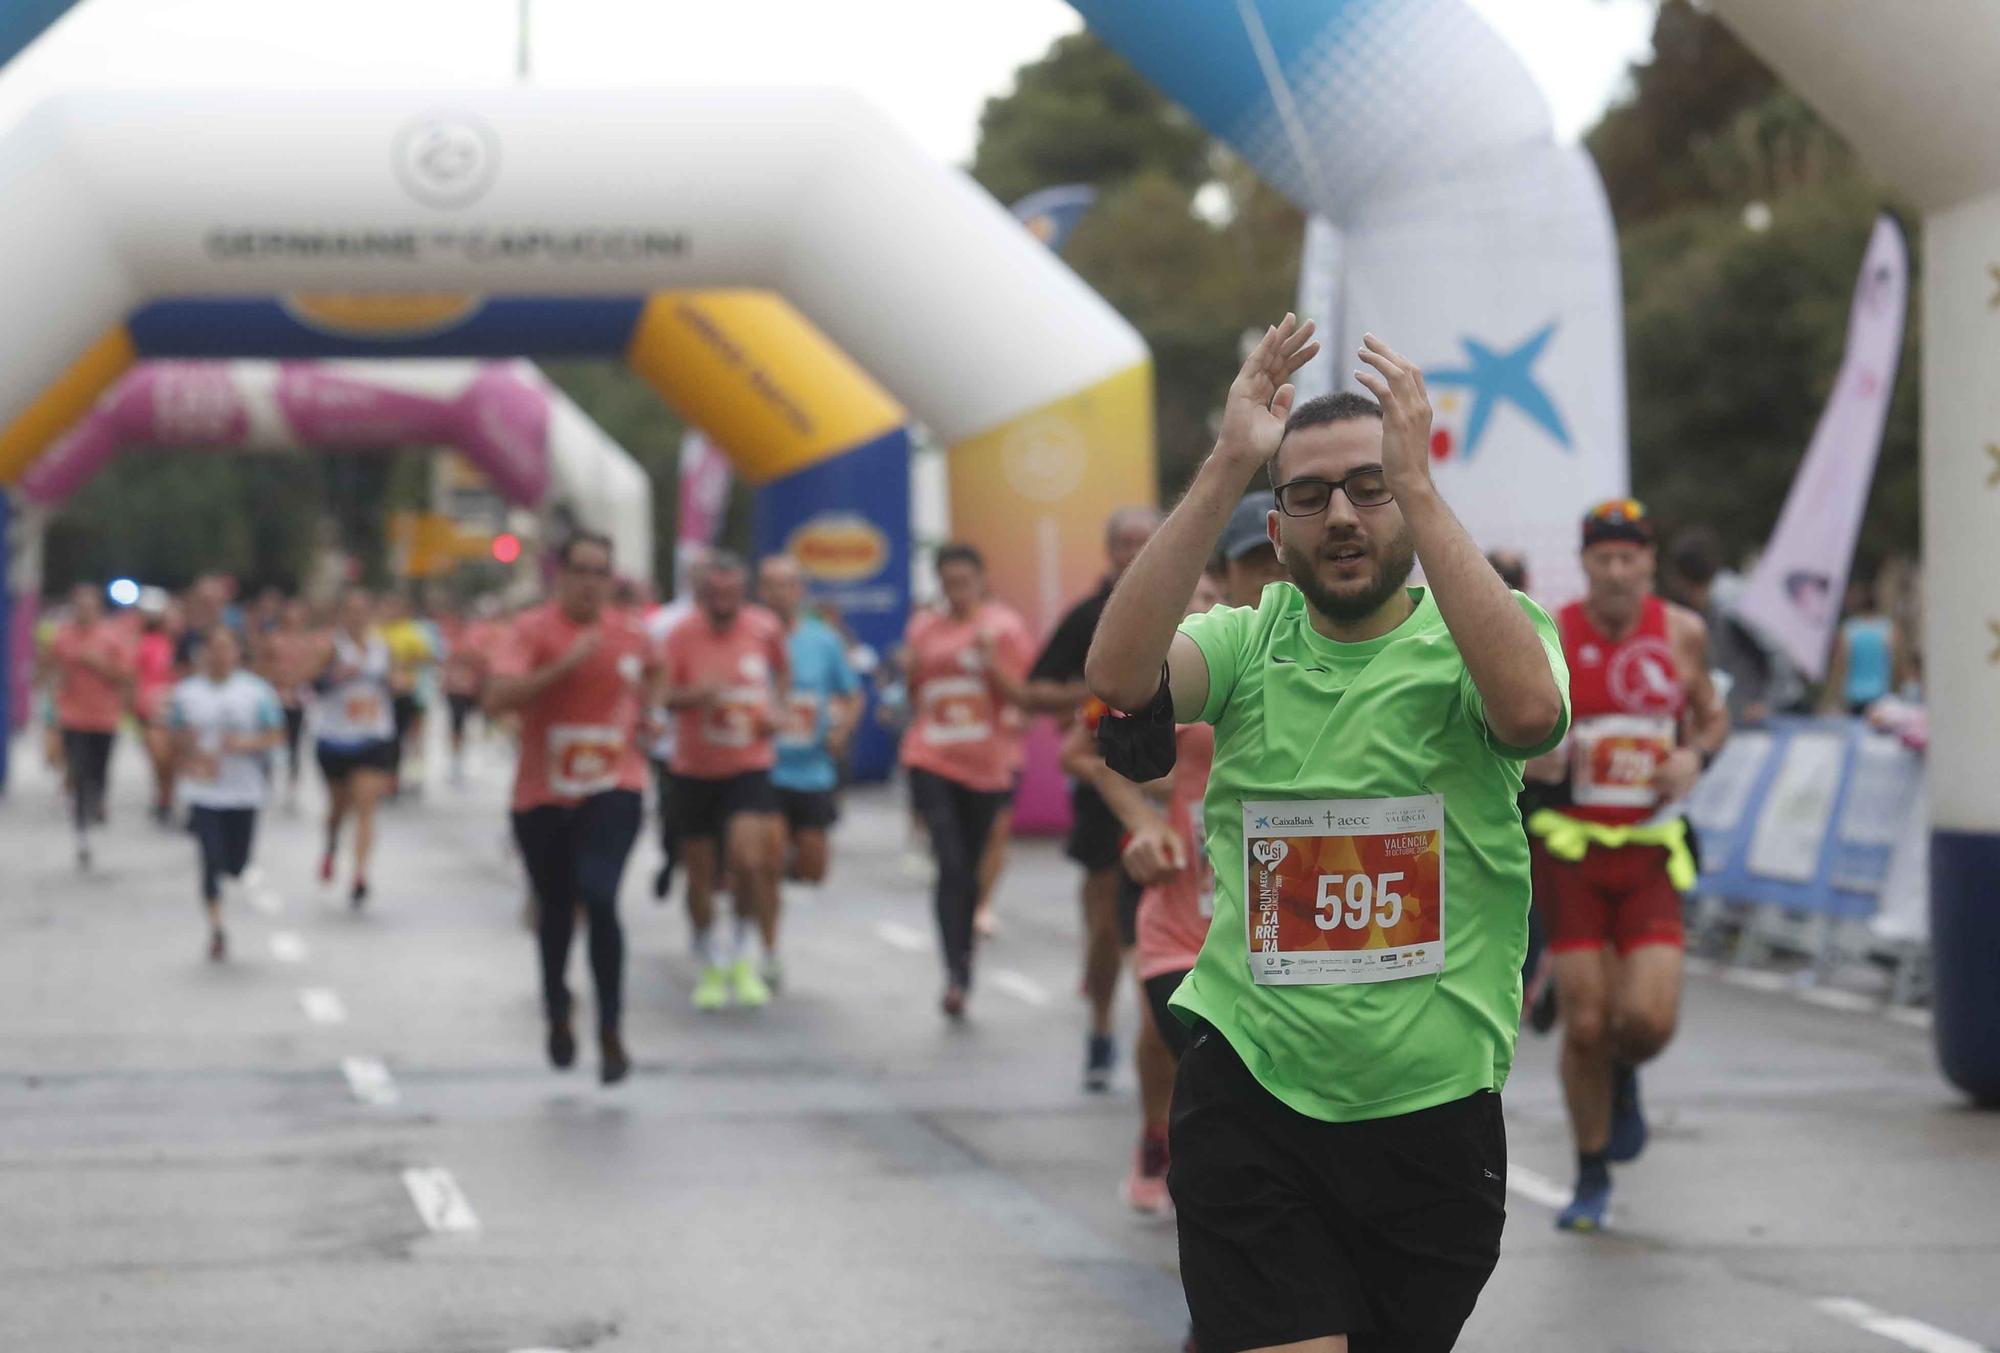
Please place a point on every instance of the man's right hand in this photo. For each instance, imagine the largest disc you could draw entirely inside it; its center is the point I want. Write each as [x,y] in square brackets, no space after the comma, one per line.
[585,647]
[1260,398]
[1154,854]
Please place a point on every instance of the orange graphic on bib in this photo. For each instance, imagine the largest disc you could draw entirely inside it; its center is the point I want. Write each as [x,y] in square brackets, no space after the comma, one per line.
[362,708]
[1615,758]
[1344,890]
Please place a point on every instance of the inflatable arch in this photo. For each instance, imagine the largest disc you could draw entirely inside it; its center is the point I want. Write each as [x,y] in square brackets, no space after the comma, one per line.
[533,444]
[883,287]
[1911,86]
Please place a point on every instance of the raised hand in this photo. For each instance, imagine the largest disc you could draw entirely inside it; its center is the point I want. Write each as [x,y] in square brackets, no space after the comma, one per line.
[1406,415]
[1260,398]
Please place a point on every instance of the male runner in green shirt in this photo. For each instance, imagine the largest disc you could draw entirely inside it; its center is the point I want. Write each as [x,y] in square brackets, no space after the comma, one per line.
[1339,1159]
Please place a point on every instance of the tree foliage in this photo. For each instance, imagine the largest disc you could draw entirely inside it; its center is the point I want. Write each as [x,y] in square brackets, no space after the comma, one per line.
[1733,335]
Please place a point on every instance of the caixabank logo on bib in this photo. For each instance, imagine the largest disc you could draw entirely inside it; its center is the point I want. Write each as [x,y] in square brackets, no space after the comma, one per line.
[839,547]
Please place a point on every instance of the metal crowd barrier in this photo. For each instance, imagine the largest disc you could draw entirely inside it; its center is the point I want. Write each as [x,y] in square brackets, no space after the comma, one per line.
[1813,836]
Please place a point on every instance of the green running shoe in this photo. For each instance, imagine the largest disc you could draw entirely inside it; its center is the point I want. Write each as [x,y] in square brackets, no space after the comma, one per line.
[712,991]
[750,989]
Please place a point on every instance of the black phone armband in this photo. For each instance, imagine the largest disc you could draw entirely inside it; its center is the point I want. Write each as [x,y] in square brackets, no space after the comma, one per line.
[1140,746]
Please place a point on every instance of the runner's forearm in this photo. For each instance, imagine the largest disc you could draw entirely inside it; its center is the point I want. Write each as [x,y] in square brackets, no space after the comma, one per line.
[1147,606]
[508,693]
[1497,641]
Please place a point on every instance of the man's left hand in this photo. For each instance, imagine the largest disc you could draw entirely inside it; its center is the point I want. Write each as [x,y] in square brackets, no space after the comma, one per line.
[1406,416]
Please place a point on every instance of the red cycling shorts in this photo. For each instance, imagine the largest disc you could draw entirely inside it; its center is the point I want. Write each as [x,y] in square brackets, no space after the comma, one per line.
[1622,898]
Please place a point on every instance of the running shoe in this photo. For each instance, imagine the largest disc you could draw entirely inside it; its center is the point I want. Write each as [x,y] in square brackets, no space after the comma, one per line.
[82,855]
[358,898]
[663,882]
[1146,1187]
[985,924]
[1589,1211]
[218,946]
[712,991]
[953,1003]
[326,867]
[747,986]
[1100,1055]
[612,1065]
[1628,1120]
[562,1045]
[773,972]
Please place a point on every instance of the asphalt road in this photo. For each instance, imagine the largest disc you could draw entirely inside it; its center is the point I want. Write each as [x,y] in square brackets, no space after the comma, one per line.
[346,1138]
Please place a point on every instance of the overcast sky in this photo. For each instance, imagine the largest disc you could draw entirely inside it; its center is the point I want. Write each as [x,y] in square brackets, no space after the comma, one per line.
[964,50]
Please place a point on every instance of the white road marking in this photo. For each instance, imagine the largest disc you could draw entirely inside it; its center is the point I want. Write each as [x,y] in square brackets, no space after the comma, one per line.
[369,1080]
[1833,998]
[1756,980]
[1020,986]
[1900,1329]
[323,1005]
[263,899]
[440,1201]
[899,936]
[1536,1188]
[1911,1015]
[287,947]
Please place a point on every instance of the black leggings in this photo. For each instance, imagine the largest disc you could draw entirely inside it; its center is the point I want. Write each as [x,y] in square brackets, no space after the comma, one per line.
[88,755]
[575,856]
[959,821]
[295,723]
[224,835]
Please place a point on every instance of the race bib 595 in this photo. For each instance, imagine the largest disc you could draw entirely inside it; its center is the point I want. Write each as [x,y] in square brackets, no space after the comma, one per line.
[1344,890]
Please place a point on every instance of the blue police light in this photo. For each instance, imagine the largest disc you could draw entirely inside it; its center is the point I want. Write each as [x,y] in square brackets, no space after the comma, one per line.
[123,591]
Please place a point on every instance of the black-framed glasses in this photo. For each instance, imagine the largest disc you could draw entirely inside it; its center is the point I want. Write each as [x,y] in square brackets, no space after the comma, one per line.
[1309,497]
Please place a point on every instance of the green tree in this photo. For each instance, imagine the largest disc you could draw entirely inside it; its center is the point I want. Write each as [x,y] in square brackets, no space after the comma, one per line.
[1081,114]
[1733,335]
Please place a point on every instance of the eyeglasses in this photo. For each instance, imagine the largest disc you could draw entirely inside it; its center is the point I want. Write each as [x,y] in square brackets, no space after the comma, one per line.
[1309,497]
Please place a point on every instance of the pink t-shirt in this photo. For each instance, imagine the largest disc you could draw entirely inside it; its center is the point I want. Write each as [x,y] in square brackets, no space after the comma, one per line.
[85,700]
[154,667]
[747,658]
[1174,915]
[578,737]
[961,728]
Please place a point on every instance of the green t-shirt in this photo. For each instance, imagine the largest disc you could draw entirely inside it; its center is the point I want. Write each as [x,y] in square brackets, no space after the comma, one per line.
[1300,717]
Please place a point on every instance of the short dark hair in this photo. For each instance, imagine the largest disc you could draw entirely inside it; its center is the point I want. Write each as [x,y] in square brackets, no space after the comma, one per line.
[1697,555]
[958,552]
[566,551]
[1321,410]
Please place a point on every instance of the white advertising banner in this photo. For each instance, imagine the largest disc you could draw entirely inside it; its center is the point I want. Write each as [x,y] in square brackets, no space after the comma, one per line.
[1794,594]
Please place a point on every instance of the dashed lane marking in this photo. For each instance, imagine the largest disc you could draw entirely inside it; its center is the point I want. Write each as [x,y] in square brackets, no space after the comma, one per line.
[899,936]
[323,1005]
[369,1080]
[1897,1328]
[287,947]
[1020,986]
[440,1201]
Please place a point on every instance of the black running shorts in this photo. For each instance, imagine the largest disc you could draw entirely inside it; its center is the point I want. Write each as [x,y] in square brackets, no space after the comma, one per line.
[1096,836]
[1292,1228]
[702,808]
[808,810]
[337,761]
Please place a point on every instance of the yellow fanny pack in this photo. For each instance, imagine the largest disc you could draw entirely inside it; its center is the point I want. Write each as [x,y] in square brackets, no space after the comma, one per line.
[1570,838]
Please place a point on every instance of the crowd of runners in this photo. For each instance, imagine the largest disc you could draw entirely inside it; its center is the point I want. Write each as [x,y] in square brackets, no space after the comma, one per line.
[1337,836]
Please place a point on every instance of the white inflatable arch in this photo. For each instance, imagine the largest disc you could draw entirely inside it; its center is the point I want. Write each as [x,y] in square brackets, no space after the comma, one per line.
[506,222]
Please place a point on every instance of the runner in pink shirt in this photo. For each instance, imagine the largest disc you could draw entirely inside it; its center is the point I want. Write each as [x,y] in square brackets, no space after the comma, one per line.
[150,699]
[967,668]
[1165,851]
[580,675]
[93,665]
[727,672]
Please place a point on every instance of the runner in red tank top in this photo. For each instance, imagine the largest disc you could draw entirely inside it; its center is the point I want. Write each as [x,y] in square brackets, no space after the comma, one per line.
[1645,719]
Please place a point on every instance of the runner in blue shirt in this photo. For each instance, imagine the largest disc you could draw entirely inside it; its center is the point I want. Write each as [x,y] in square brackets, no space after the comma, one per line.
[817,723]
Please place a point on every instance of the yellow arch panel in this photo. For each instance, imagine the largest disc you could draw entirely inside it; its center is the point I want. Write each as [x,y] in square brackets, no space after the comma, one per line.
[57,409]
[759,378]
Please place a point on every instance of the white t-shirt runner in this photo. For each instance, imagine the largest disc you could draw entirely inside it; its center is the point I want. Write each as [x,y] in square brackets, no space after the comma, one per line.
[212,712]
[357,710]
